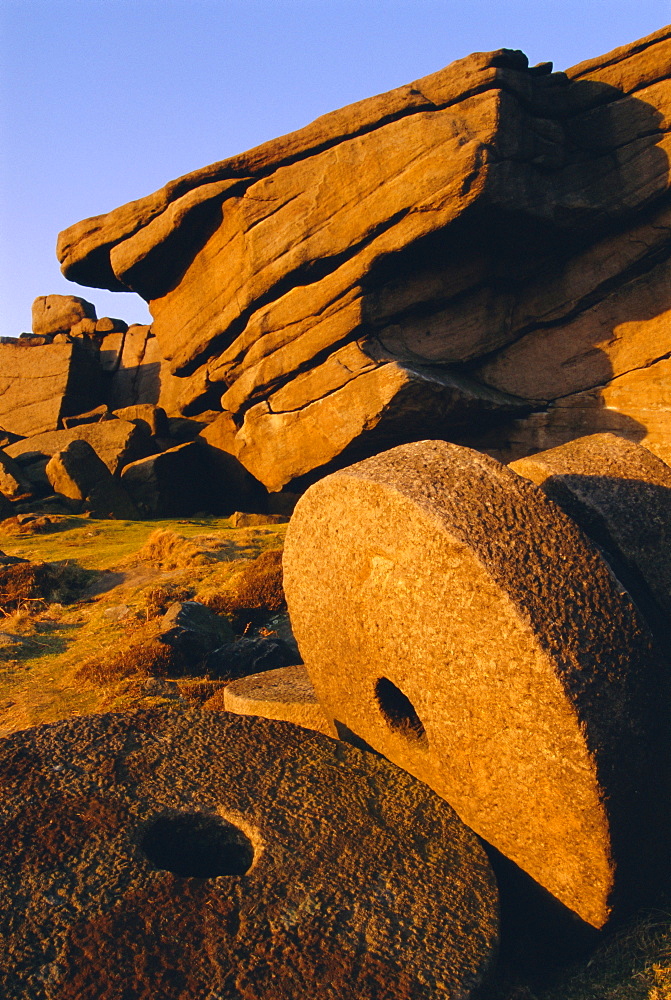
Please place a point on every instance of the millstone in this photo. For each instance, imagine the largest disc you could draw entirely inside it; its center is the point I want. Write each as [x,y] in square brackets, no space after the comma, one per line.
[620,495]
[286,694]
[202,855]
[457,621]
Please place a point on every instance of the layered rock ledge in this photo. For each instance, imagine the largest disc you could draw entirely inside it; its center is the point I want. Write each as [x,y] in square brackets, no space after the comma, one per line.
[481,255]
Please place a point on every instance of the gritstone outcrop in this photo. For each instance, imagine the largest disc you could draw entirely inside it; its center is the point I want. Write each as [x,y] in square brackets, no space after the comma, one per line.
[481,256]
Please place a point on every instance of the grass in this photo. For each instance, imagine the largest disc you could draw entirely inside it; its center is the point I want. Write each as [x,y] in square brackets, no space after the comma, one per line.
[87,646]
[632,964]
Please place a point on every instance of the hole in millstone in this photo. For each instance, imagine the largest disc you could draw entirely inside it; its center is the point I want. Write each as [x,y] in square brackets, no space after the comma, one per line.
[197,845]
[398,711]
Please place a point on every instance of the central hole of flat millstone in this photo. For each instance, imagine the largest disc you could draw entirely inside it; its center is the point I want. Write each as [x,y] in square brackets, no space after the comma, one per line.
[398,711]
[197,845]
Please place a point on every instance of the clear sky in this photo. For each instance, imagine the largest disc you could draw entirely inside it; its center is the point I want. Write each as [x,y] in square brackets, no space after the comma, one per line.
[103,101]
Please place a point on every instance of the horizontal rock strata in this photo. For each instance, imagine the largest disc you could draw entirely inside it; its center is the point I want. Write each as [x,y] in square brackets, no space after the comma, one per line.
[481,255]
[463,642]
[209,854]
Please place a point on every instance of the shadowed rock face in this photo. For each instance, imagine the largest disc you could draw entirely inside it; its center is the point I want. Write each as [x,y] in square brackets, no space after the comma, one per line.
[620,495]
[442,260]
[455,619]
[167,854]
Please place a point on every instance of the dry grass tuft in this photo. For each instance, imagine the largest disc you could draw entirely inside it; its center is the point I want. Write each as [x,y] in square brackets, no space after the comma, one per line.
[168,551]
[32,586]
[198,691]
[141,659]
[632,964]
[258,587]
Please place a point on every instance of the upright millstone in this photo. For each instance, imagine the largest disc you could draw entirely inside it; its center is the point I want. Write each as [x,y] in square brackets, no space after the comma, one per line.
[454,618]
[620,495]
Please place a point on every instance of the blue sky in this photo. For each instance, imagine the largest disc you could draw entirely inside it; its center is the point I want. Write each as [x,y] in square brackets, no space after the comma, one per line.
[103,101]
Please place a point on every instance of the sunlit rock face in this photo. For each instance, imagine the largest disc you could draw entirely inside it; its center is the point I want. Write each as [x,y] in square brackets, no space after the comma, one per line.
[481,256]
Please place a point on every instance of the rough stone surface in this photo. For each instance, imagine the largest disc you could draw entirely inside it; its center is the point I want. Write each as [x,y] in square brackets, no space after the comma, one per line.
[111,349]
[109,324]
[40,385]
[116,442]
[94,416]
[59,313]
[462,642]
[174,483]
[194,629]
[135,375]
[77,472]
[339,877]
[13,484]
[286,694]
[620,494]
[152,418]
[248,655]
[463,257]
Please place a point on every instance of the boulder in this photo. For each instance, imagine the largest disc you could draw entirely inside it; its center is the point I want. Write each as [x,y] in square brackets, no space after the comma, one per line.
[13,484]
[620,495]
[454,258]
[116,442]
[151,418]
[194,630]
[6,508]
[111,350]
[59,313]
[85,328]
[174,483]
[41,385]
[77,472]
[94,416]
[109,324]
[286,694]
[225,856]
[477,638]
[135,375]
[247,655]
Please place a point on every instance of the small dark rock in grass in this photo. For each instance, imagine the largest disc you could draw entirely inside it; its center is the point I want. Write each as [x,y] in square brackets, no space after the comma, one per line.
[246,656]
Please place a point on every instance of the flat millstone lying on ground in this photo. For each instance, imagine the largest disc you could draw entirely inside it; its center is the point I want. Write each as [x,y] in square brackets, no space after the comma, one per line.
[286,694]
[202,854]
[459,622]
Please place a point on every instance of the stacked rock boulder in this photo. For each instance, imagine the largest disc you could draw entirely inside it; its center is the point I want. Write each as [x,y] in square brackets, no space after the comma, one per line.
[81,383]
[480,256]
